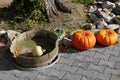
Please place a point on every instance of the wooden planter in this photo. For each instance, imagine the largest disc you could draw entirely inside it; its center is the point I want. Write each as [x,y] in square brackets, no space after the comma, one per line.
[46,39]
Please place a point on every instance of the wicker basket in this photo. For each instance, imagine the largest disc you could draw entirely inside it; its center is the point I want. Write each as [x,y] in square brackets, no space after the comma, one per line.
[46,39]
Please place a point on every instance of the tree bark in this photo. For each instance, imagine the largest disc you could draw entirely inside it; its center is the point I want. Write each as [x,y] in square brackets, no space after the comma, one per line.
[62,6]
[53,6]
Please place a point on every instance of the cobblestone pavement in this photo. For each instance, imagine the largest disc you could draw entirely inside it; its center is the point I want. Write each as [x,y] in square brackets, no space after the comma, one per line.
[98,63]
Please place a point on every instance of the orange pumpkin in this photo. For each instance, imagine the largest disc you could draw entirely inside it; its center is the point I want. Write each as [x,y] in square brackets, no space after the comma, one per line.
[83,40]
[106,37]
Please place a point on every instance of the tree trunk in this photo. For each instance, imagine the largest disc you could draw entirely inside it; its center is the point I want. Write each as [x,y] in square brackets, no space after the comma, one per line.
[53,6]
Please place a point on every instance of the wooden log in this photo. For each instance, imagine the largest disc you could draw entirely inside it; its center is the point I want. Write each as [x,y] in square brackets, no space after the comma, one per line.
[53,6]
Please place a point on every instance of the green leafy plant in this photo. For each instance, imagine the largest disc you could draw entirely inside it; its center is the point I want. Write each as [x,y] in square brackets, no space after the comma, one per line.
[28,9]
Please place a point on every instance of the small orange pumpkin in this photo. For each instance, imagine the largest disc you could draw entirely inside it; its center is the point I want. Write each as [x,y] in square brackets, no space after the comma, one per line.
[83,40]
[106,37]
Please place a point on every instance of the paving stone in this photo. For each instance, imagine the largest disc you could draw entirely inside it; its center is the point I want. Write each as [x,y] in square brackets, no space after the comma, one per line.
[92,60]
[96,68]
[100,76]
[98,63]
[85,78]
[114,77]
[44,71]
[69,76]
[108,51]
[112,71]
[98,48]
[77,57]
[117,47]
[110,64]
[42,77]
[119,54]
[73,50]
[110,47]
[57,73]
[3,75]
[15,77]
[113,58]
[4,72]
[118,43]
[117,65]
[57,66]
[102,56]
[119,36]
[83,72]
[65,61]
[65,55]
[81,64]
[87,53]
[52,78]
[69,68]
[29,75]
[16,73]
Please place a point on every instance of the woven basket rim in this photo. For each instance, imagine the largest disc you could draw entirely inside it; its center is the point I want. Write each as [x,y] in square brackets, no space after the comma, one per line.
[37,61]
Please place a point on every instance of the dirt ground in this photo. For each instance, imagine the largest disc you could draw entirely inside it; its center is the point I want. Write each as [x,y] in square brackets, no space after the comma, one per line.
[66,21]
[5,3]
[71,21]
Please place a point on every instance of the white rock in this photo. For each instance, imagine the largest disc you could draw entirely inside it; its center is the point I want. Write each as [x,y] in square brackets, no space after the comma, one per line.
[113,26]
[100,23]
[103,14]
[89,26]
[116,11]
[108,4]
[112,15]
[2,32]
[117,4]
[92,8]
[100,26]
[116,21]
[93,17]
[97,13]
[107,11]
[117,30]
[107,17]
[98,10]
[99,3]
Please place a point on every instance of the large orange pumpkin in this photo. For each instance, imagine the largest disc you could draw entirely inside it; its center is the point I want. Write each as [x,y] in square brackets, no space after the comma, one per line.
[106,37]
[83,40]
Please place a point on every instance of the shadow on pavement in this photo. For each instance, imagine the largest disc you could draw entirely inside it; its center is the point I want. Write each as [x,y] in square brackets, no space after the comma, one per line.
[6,60]
[99,46]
